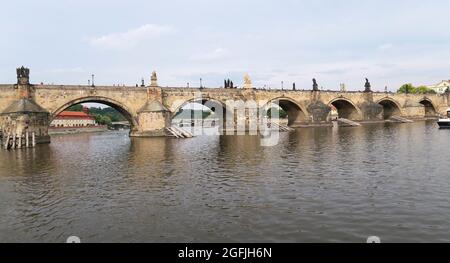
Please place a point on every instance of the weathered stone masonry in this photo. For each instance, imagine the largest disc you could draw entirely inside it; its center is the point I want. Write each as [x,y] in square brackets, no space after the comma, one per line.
[28,107]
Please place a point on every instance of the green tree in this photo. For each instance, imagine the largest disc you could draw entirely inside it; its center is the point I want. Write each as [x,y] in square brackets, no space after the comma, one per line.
[77,107]
[424,90]
[112,113]
[103,120]
[407,88]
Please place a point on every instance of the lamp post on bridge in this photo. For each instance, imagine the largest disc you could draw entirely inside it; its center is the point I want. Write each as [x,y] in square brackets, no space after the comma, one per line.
[92,80]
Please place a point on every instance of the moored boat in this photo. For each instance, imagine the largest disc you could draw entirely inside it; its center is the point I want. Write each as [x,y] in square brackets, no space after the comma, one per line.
[445,123]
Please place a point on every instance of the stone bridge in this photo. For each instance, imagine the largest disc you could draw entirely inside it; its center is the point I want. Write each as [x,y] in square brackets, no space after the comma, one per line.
[26,107]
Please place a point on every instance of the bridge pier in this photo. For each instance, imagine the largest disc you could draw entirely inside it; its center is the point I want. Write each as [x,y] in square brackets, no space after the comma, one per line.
[24,116]
[319,112]
[371,111]
[153,119]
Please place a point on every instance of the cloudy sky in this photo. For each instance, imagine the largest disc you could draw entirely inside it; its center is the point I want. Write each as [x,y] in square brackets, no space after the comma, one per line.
[335,41]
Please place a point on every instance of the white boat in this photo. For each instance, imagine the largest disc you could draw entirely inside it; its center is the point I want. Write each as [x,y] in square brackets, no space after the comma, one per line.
[445,123]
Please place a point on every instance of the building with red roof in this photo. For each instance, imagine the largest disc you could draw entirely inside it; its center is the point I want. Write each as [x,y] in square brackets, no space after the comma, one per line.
[72,119]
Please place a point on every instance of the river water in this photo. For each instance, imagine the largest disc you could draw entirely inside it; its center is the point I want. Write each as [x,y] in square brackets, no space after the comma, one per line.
[316,185]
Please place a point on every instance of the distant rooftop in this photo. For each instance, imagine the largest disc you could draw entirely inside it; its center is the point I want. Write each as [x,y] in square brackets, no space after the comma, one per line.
[74,115]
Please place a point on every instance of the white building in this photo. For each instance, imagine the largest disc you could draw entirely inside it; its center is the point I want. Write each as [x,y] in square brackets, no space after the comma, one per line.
[441,87]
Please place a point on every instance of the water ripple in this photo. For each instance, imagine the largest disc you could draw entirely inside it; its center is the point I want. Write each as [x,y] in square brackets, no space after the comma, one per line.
[316,185]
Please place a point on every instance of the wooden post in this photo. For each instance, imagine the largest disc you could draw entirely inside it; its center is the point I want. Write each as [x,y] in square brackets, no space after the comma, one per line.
[20,141]
[14,141]
[27,139]
[7,141]
[34,139]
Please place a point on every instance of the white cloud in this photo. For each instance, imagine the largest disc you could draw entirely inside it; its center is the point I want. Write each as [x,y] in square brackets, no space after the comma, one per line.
[216,54]
[62,70]
[385,46]
[130,38]
[54,75]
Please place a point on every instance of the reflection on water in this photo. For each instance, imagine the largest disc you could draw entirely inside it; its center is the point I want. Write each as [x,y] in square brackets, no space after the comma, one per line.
[317,185]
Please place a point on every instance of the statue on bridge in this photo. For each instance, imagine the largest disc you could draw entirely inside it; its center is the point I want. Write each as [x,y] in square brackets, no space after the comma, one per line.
[315,85]
[247,79]
[154,80]
[367,86]
[247,82]
[229,84]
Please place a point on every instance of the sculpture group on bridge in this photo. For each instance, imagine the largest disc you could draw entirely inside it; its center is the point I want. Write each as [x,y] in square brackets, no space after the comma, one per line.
[229,84]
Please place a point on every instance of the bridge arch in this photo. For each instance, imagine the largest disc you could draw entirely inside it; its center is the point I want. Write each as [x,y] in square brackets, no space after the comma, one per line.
[202,101]
[215,105]
[124,110]
[296,113]
[391,108]
[430,108]
[346,108]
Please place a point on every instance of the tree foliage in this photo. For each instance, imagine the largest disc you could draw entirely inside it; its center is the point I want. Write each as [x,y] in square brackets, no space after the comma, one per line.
[77,107]
[103,119]
[410,89]
[103,116]
[407,88]
[425,90]
[112,113]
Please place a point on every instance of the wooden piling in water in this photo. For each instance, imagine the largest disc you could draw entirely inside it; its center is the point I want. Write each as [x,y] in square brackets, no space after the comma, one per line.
[18,141]
[13,141]
[7,141]
[27,139]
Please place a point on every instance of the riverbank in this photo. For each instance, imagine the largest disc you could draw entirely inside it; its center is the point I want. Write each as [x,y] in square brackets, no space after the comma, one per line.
[74,130]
